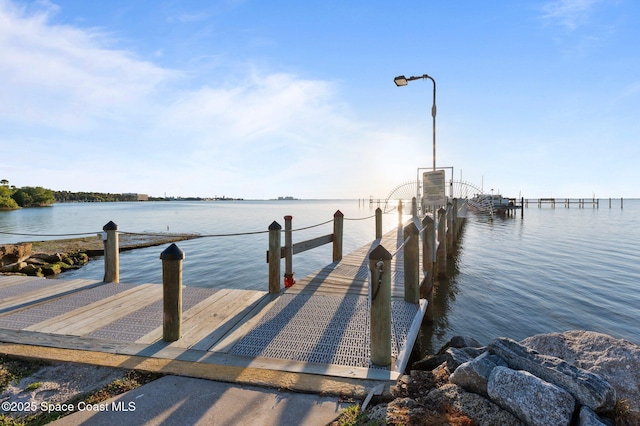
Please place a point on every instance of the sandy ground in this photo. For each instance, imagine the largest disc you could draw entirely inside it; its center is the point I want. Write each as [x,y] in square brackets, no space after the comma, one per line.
[54,384]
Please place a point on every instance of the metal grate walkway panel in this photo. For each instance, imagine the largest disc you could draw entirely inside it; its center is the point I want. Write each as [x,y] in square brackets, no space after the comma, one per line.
[322,329]
[137,324]
[62,305]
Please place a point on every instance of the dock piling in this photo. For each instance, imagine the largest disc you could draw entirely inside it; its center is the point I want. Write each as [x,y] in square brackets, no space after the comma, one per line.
[274,257]
[288,252]
[172,259]
[378,223]
[428,244]
[450,232]
[441,255]
[338,229]
[411,263]
[456,222]
[380,267]
[111,254]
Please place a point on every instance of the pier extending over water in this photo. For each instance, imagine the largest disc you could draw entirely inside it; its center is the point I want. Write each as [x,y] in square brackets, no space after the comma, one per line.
[329,332]
[568,202]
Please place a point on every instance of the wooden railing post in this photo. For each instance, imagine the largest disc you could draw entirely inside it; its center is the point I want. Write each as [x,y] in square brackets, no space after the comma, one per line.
[428,246]
[172,259]
[288,252]
[378,223]
[380,287]
[441,255]
[338,232]
[428,265]
[111,254]
[455,221]
[411,263]
[400,212]
[274,257]
[414,207]
[449,231]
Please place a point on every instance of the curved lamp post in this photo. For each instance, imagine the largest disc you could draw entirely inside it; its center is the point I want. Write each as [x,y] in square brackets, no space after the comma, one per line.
[403,81]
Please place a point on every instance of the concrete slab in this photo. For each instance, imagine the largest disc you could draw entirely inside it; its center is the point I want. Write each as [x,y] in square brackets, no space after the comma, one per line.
[174,400]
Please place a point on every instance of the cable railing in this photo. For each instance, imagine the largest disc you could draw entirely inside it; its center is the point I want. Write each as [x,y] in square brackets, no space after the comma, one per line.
[135,239]
[163,234]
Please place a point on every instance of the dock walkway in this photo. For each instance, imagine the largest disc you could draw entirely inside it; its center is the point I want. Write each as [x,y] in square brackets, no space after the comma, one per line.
[313,336]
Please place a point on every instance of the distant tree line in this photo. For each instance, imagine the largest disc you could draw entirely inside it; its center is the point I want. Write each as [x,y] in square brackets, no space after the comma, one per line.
[91,197]
[28,196]
[14,198]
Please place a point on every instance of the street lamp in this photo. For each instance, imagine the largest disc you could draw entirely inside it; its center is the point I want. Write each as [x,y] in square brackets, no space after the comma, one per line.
[403,81]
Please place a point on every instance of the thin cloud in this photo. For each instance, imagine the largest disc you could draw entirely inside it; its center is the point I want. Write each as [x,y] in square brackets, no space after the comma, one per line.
[570,14]
[190,17]
[65,77]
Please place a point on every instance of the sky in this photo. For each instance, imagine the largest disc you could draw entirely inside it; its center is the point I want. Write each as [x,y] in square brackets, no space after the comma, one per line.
[257,99]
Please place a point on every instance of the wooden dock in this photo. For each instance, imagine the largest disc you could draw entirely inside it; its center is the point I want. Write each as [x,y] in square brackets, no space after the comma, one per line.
[313,336]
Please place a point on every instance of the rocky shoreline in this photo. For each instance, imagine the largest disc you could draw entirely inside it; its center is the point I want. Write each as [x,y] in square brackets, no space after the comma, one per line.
[52,257]
[570,378]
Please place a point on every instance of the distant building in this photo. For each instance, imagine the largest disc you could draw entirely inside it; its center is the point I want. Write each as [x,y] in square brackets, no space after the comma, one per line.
[131,196]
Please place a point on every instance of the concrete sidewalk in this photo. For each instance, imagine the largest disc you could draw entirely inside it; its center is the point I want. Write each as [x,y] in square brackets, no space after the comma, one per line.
[174,400]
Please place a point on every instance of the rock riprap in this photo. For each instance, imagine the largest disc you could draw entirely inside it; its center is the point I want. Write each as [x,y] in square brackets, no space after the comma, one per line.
[572,378]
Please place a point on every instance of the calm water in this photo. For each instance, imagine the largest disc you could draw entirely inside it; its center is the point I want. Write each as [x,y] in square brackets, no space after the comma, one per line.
[555,270]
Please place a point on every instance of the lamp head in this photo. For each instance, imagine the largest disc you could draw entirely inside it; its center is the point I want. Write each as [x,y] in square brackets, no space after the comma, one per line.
[400,80]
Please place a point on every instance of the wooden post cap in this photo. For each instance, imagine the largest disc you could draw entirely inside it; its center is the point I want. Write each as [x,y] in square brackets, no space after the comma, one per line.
[338,213]
[172,252]
[411,229]
[426,220]
[274,226]
[110,226]
[380,253]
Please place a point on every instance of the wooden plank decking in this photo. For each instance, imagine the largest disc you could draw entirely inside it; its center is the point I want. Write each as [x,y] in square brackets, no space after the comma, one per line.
[313,336]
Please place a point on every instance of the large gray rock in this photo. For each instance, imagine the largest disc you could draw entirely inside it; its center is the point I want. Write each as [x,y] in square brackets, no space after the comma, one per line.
[460,342]
[473,375]
[588,417]
[531,399]
[587,388]
[456,357]
[453,399]
[616,360]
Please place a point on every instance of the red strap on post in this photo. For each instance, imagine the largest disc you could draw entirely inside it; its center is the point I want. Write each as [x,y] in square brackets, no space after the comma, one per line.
[289,281]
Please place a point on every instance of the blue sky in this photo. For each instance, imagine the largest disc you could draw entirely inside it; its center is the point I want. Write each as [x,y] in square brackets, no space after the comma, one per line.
[257,99]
